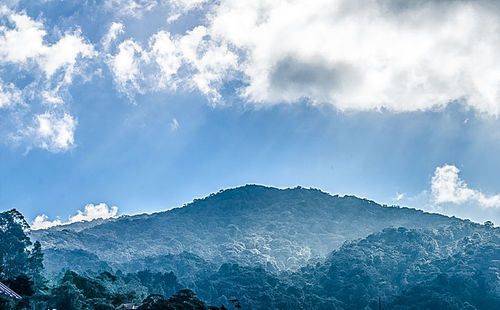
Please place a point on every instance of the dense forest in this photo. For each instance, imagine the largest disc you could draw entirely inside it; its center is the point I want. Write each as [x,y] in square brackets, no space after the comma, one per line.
[252,225]
[433,262]
[21,268]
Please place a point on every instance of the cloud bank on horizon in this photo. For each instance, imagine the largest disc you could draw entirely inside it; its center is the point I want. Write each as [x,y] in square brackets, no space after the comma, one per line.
[355,55]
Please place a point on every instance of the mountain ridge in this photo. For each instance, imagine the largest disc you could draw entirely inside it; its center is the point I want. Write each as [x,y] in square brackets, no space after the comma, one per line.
[78,226]
[251,225]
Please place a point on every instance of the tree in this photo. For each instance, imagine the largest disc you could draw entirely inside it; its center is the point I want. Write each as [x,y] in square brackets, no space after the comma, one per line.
[67,296]
[186,299]
[35,265]
[155,302]
[489,224]
[183,300]
[14,244]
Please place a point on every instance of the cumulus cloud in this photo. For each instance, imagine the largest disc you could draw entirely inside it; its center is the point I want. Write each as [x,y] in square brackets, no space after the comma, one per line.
[93,212]
[25,42]
[448,187]
[90,212]
[42,222]
[361,55]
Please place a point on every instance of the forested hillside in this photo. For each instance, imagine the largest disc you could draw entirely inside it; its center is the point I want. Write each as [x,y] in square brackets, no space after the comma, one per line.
[244,248]
[21,269]
[250,225]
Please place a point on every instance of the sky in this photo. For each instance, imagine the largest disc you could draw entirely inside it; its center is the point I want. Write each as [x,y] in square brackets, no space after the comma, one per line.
[129,106]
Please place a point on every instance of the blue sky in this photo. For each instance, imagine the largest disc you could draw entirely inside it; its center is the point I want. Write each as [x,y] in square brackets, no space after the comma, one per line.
[147,104]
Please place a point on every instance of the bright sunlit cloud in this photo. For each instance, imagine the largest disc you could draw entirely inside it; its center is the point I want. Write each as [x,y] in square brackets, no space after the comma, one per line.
[90,213]
[448,187]
[358,55]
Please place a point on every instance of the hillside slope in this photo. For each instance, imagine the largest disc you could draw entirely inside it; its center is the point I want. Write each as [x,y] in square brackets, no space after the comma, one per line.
[280,229]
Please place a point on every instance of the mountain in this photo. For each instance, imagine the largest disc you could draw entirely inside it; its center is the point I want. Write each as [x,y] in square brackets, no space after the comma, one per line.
[234,248]
[280,229]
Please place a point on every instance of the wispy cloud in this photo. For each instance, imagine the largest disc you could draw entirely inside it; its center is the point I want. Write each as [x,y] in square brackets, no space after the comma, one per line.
[91,212]
[114,31]
[400,196]
[174,124]
[137,8]
[10,95]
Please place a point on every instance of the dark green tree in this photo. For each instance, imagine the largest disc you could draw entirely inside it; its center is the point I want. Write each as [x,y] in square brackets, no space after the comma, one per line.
[14,244]
[68,297]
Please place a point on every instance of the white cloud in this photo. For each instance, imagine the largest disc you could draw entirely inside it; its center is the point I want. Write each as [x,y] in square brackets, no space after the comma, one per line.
[114,30]
[50,68]
[9,95]
[357,55]
[137,8]
[91,212]
[212,61]
[173,18]
[126,66]
[193,60]
[25,42]
[174,125]
[52,132]
[134,8]
[64,54]
[42,222]
[186,5]
[448,187]
[166,54]
[353,54]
